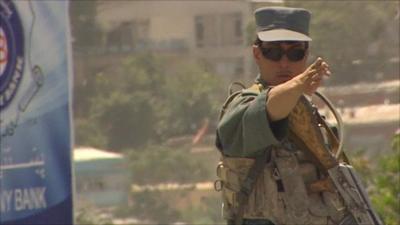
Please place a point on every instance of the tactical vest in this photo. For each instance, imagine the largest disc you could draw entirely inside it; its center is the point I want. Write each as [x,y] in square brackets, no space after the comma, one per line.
[280,192]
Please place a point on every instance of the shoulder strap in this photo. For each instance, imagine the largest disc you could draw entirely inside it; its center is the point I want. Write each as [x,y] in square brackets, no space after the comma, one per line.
[226,103]
[256,169]
[249,182]
[255,89]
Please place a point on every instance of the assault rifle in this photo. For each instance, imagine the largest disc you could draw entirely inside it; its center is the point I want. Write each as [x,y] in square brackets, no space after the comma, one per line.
[310,132]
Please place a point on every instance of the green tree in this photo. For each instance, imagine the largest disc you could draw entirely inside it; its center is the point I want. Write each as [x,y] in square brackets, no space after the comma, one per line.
[142,101]
[160,164]
[151,206]
[87,133]
[191,96]
[85,30]
[386,191]
[382,179]
[357,38]
[88,215]
[208,212]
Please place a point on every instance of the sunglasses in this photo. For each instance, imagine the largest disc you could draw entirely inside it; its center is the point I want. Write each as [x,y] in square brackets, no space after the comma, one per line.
[276,53]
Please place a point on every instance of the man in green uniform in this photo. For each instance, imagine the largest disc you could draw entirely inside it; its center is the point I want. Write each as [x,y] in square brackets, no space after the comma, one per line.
[255,119]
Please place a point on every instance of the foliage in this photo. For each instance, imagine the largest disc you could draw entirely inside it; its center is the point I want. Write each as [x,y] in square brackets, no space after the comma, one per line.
[362,165]
[160,164]
[83,127]
[208,212]
[157,164]
[191,95]
[151,206]
[386,191]
[87,216]
[357,47]
[141,101]
[85,29]
[382,181]
[159,207]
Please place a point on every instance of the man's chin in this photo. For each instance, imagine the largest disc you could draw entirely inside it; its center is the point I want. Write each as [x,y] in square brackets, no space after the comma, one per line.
[283,79]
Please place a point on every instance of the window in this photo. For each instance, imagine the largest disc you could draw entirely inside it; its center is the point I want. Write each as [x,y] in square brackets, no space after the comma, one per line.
[199,33]
[238,26]
[206,31]
[231,27]
[219,30]
[128,35]
[121,36]
[140,31]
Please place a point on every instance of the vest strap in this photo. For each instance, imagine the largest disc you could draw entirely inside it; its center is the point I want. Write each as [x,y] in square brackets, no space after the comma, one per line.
[248,184]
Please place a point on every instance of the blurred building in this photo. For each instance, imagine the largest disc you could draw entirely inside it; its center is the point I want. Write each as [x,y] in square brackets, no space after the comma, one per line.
[370,112]
[216,33]
[101,178]
[219,33]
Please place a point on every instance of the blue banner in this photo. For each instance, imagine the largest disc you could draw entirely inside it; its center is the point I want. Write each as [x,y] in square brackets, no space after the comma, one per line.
[35,113]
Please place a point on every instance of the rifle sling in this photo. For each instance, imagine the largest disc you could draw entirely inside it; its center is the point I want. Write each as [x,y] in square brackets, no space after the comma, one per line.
[249,182]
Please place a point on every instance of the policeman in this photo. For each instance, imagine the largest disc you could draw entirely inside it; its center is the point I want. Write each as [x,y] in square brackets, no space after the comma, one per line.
[264,176]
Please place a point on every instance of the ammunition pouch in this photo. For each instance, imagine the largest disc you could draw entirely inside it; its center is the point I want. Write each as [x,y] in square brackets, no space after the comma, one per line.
[280,193]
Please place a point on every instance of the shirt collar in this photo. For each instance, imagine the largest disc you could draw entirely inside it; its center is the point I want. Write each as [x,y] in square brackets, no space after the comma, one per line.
[259,80]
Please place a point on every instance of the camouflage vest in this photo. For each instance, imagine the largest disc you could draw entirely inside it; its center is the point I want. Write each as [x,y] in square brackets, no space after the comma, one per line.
[280,193]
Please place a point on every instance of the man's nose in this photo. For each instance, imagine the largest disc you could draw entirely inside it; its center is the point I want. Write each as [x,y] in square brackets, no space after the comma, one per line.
[284,62]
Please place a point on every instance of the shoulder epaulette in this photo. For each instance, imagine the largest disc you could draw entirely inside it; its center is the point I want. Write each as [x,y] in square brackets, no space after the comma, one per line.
[255,89]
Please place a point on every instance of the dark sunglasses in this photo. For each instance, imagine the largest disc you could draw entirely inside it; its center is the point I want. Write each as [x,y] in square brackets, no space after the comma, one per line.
[276,53]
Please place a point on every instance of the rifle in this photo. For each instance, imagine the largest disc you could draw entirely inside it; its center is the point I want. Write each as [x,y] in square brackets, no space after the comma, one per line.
[306,128]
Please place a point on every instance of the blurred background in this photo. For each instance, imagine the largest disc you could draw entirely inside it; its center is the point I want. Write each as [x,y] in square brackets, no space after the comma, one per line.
[150,76]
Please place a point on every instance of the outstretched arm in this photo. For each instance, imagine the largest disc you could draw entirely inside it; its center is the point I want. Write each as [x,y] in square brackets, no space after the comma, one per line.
[283,97]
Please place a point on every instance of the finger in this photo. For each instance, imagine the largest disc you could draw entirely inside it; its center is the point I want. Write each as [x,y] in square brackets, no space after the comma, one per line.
[316,64]
[309,74]
[316,78]
[319,60]
[326,72]
[317,75]
[312,72]
[324,65]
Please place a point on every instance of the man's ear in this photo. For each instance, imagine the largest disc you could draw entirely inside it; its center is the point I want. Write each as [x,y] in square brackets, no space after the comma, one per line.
[257,54]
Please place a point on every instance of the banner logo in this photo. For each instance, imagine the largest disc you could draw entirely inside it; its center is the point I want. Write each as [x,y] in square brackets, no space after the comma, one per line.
[11,52]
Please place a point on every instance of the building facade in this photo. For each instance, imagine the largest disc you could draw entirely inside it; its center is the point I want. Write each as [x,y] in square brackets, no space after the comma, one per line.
[213,32]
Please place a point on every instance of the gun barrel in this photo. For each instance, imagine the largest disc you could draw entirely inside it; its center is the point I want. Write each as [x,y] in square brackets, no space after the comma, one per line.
[353,193]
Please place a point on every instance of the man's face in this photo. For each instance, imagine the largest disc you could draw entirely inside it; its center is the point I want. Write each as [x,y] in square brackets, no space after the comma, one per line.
[275,68]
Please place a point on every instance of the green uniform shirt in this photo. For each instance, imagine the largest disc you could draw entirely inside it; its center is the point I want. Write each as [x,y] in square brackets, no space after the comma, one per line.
[245,130]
